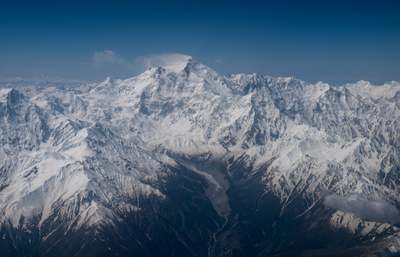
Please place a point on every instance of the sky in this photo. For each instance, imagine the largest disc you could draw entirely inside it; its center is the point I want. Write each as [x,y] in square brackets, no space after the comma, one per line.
[330,41]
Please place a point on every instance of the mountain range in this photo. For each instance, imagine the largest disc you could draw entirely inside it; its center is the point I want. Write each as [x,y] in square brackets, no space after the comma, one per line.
[180,161]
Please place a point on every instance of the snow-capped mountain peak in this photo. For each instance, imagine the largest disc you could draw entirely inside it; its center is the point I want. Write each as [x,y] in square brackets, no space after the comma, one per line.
[365,89]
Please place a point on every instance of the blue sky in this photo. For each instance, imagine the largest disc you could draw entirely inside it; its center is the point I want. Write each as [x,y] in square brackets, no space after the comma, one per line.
[330,41]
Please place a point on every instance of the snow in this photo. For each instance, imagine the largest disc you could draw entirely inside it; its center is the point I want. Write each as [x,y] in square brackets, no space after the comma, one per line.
[3,94]
[78,149]
[367,90]
[89,216]
[354,224]
[394,246]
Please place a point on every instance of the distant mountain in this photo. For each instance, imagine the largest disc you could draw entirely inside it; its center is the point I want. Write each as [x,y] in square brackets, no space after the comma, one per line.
[42,83]
[180,161]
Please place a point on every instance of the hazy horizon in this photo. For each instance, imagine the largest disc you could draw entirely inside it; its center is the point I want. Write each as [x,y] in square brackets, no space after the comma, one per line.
[335,42]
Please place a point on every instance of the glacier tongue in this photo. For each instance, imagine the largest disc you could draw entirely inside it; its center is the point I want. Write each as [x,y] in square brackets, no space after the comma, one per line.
[217,186]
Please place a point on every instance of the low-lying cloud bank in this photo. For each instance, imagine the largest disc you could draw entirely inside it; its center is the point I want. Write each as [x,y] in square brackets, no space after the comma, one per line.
[363,208]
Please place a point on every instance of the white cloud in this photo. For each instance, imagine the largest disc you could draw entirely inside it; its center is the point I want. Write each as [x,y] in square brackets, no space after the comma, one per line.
[167,59]
[363,208]
[217,61]
[108,58]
